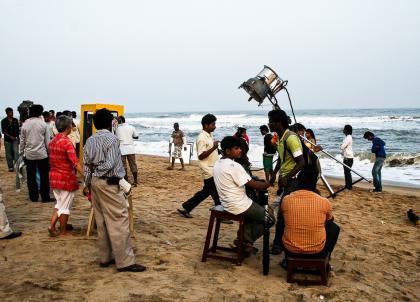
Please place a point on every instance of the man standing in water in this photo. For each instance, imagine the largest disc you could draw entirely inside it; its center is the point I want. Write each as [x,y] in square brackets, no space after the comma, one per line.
[378,147]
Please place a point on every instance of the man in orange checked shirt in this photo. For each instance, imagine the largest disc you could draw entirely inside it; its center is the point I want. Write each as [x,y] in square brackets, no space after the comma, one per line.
[308,221]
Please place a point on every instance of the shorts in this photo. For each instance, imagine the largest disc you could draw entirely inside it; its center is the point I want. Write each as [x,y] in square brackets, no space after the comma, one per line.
[268,162]
[64,201]
[177,152]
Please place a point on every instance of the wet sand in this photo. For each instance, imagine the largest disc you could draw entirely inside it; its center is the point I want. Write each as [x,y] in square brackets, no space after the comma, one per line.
[377,257]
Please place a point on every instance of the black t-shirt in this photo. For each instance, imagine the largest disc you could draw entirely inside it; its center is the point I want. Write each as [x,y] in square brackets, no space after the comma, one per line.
[269,148]
[11,128]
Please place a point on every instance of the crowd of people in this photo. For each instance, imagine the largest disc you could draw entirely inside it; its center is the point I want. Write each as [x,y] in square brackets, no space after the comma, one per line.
[49,143]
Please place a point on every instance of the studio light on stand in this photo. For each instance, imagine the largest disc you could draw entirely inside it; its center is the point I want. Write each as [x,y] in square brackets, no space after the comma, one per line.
[265,86]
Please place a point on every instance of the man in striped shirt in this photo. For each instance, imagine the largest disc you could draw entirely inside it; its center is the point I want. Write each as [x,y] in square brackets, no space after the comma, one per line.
[103,168]
[308,221]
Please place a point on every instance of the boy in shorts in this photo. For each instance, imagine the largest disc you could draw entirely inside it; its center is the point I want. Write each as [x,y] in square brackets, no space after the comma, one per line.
[178,139]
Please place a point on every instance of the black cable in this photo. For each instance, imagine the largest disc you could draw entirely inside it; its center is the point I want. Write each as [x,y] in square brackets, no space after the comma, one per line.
[291,106]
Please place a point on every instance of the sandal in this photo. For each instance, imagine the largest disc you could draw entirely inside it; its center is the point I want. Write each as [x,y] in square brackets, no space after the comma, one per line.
[184,213]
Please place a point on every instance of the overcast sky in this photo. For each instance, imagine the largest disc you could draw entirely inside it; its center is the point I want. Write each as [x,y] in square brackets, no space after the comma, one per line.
[189,55]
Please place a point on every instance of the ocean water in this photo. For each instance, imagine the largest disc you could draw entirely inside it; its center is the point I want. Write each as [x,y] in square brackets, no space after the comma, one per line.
[399,128]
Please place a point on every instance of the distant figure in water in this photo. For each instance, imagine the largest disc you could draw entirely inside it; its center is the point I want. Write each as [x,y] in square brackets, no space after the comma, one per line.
[269,151]
[347,152]
[378,147]
[310,136]
[178,139]
[241,133]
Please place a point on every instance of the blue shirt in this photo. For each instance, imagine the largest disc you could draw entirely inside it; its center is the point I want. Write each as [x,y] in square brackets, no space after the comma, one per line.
[378,147]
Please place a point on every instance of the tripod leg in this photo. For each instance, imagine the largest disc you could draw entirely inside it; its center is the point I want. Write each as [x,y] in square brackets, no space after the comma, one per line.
[343,188]
[327,185]
[266,250]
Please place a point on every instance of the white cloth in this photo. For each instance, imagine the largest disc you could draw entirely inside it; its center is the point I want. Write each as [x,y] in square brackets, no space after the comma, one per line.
[64,201]
[230,179]
[5,229]
[205,142]
[77,130]
[126,135]
[50,126]
[347,147]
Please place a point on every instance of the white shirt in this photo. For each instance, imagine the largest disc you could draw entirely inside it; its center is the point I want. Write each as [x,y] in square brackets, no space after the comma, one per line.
[347,147]
[230,179]
[50,126]
[77,133]
[205,142]
[126,134]
[34,139]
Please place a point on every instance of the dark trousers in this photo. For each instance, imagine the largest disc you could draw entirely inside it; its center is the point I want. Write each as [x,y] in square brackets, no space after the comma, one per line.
[208,189]
[254,222]
[43,167]
[332,231]
[12,152]
[291,187]
[347,172]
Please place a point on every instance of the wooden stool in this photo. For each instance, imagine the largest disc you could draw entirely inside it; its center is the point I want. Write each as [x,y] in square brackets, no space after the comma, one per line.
[321,264]
[219,214]
[91,220]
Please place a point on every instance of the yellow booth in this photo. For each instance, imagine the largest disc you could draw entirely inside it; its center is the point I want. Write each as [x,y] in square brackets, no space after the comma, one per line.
[86,120]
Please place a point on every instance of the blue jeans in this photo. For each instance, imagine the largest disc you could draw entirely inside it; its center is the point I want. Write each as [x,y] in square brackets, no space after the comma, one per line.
[376,173]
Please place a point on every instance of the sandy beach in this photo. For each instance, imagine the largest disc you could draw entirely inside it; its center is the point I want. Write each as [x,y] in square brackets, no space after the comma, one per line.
[377,257]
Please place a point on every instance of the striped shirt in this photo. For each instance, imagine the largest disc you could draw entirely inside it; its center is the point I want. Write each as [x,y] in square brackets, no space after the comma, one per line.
[305,214]
[103,151]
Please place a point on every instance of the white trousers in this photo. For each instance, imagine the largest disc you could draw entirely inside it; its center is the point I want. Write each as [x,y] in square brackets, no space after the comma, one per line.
[5,229]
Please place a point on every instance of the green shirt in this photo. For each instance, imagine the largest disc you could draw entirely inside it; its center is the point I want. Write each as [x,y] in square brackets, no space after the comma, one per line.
[294,146]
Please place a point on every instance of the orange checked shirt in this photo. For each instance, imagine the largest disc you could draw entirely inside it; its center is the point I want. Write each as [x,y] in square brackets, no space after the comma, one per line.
[63,159]
[305,214]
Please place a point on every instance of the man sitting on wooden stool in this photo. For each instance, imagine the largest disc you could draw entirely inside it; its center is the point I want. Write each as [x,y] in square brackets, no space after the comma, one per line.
[230,179]
[308,229]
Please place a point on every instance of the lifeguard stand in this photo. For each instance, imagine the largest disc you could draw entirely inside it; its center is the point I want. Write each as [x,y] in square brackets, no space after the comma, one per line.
[86,120]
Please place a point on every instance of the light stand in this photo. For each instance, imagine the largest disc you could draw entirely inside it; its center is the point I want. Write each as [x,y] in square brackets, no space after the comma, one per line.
[266,85]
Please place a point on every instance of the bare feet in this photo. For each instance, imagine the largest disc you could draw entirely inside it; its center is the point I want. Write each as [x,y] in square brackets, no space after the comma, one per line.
[170,168]
[52,232]
[182,169]
[66,235]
